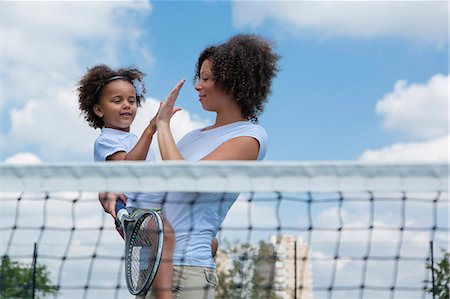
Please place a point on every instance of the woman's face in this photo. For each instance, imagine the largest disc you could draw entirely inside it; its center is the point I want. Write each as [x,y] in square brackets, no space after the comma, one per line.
[212,97]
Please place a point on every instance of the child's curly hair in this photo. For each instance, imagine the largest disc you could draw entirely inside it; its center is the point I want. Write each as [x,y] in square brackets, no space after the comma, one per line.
[90,88]
[243,67]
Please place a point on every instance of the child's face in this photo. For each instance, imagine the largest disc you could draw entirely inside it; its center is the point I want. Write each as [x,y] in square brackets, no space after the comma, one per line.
[117,106]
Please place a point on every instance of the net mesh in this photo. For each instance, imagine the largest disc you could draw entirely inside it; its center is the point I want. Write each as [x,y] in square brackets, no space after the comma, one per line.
[297,230]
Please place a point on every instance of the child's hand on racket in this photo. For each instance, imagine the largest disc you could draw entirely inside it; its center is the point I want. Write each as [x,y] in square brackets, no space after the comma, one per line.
[108,202]
[167,109]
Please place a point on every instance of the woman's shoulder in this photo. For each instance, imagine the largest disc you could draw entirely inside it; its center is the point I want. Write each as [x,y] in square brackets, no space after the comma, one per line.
[255,131]
[251,128]
[224,133]
[236,129]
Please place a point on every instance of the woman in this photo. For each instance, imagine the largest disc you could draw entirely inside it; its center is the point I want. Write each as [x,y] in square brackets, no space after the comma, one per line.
[234,81]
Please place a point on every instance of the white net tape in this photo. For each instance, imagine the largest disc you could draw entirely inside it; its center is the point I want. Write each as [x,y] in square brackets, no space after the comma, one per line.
[361,230]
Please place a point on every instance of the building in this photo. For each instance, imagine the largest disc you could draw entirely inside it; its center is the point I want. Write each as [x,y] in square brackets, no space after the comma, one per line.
[292,267]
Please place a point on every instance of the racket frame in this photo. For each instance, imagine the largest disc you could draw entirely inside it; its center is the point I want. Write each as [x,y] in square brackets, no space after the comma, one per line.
[130,225]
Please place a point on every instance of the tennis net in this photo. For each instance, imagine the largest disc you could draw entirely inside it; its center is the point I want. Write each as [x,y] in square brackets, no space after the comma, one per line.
[297,230]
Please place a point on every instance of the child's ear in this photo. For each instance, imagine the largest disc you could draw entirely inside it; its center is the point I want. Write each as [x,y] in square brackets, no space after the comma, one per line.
[98,110]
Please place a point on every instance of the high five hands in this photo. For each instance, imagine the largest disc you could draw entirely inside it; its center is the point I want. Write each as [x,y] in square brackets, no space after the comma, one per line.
[167,109]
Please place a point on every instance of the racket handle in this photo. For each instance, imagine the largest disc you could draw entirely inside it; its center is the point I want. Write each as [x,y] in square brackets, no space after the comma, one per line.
[120,210]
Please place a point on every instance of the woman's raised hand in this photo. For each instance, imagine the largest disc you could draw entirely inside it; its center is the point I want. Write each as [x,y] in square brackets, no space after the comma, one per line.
[167,109]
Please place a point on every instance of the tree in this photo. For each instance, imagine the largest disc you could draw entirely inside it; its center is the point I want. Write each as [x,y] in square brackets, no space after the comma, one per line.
[227,286]
[245,271]
[234,282]
[441,272]
[16,280]
[263,277]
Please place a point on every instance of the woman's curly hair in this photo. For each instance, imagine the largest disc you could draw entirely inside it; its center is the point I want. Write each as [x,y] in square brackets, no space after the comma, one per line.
[90,88]
[243,67]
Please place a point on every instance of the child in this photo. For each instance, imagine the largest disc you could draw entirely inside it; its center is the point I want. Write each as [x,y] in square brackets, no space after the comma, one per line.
[109,99]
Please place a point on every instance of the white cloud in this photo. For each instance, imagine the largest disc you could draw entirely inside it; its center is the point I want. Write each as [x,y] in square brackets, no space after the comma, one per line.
[414,20]
[23,158]
[53,127]
[386,240]
[356,240]
[432,150]
[46,47]
[419,110]
[44,42]
[262,216]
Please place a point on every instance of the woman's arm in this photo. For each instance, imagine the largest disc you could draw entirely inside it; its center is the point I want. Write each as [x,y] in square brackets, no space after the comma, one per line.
[166,142]
[238,148]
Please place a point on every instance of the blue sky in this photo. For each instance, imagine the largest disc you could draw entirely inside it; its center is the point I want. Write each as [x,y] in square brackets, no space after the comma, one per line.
[359,81]
[340,61]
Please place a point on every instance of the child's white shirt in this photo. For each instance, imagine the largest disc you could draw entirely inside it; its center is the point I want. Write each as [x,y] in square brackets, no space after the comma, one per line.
[111,141]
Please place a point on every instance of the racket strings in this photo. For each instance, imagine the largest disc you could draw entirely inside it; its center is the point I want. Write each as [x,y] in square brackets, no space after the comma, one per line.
[144,249]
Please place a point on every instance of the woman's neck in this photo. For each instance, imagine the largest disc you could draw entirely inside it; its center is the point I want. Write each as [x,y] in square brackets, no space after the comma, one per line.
[227,118]
[228,113]
[226,121]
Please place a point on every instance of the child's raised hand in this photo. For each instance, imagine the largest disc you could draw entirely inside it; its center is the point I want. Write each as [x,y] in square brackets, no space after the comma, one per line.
[152,125]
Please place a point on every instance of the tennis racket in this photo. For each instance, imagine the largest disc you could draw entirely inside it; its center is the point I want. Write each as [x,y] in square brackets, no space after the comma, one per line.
[144,237]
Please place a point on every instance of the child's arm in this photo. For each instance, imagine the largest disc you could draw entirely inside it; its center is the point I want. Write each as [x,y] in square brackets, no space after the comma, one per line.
[140,150]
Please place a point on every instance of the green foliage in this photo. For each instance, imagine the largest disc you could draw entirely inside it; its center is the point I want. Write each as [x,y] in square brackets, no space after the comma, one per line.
[16,280]
[229,284]
[264,265]
[441,273]
[246,277]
